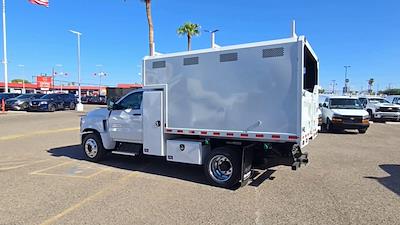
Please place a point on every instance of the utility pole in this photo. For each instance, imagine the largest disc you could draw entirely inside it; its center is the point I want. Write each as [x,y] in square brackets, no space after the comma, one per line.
[333,86]
[346,80]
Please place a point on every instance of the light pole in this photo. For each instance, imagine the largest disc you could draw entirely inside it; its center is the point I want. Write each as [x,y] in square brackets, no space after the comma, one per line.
[346,80]
[23,77]
[5,62]
[100,74]
[53,74]
[213,45]
[79,106]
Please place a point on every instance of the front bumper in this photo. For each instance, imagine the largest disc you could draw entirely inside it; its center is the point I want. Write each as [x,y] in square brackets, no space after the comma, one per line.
[15,107]
[350,126]
[387,115]
[39,108]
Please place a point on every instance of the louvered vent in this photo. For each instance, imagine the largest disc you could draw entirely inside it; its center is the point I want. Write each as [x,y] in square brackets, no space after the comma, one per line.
[273,52]
[228,57]
[158,64]
[190,61]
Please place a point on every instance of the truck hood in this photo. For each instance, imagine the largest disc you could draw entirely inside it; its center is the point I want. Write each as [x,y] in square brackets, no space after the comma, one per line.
[350,112]
[386,105]
[99,113]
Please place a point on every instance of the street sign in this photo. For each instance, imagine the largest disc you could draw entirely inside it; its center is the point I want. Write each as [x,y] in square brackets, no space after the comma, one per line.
[44,82]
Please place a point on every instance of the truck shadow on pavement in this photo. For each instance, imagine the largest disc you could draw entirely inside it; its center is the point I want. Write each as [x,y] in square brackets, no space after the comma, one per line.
[391,182]
[159,166]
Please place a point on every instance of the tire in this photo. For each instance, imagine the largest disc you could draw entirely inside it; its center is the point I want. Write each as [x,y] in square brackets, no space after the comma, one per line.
[222,166]
[93,148]
[72,106]
[362,131]
[52,108]
[371,115]
[328,126]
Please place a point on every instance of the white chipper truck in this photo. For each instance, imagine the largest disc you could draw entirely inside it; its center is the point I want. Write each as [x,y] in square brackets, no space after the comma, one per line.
[224,108]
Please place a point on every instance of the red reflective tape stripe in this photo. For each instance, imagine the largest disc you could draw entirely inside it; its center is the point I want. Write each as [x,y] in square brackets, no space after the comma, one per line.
[275,136]
[244,135]
[203,132]
[229,134]
[192,132]
[216,133]
[292,137]
[260,135]
[168,130]
[180,131]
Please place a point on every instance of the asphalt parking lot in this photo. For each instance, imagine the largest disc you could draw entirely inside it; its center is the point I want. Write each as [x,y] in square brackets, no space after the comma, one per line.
[351,179]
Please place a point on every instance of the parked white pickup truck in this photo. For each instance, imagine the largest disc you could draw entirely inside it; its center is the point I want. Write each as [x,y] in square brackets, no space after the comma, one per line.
[223,108]
[380,109]
[343,112]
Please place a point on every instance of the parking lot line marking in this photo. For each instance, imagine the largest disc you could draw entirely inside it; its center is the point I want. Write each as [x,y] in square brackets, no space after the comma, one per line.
[51,167]
[19,166]
[17,136]
[88,199]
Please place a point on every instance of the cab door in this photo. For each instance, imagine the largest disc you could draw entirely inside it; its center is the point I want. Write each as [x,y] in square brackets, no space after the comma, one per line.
[125,121]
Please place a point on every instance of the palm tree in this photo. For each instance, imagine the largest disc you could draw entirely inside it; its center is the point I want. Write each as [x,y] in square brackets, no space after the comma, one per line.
[189,29]
[150,23]
[151,28]
[370,83]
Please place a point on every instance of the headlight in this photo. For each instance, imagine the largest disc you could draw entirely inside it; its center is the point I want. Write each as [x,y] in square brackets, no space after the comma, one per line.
[43,103]
[377,109]
[337,118]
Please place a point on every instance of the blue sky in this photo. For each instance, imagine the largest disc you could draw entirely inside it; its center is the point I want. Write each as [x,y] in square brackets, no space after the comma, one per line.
[363,34]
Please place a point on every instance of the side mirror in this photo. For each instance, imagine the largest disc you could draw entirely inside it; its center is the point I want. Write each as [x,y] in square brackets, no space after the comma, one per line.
[320,105]
[325,105]
[110,105]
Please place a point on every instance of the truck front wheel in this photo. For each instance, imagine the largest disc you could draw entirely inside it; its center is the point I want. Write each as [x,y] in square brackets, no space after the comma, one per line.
[93,148]
[222,167]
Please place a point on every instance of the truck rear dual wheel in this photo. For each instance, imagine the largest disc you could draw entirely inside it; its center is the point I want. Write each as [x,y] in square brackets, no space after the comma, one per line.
[223,166]
[93,147]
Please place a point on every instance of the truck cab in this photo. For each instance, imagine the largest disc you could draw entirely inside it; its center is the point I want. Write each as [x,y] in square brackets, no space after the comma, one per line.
[342,112]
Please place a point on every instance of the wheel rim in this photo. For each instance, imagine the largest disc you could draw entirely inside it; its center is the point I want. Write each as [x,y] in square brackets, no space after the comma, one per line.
[91,148]
[220,168]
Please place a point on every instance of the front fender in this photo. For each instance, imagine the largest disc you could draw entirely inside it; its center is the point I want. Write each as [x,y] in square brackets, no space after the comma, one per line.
[97,125]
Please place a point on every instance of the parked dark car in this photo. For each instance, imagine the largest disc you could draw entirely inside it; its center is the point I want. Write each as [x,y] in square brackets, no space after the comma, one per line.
[6,96]
[21,102]
[101,100]
[53,102]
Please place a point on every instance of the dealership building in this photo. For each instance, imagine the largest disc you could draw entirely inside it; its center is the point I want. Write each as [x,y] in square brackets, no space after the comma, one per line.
[44,88]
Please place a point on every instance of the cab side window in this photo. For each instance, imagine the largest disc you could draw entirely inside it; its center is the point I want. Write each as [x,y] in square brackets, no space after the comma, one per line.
[132,101]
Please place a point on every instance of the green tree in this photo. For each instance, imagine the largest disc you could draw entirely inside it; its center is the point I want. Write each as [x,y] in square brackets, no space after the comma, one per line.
[189,29]
[20,81]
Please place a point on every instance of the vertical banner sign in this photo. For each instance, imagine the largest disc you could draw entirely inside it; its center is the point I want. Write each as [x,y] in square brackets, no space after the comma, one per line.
[44,82]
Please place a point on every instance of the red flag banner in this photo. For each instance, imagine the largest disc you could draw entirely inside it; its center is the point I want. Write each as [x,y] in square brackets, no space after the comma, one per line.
[40,2]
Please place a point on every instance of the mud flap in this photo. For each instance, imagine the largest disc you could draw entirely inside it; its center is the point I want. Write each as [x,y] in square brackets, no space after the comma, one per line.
[247,160]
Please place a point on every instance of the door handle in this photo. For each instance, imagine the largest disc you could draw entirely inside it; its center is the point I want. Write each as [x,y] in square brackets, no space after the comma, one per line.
[137,114]
[157,123]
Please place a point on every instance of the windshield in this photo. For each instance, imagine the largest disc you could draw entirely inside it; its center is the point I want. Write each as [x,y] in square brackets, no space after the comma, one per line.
[48,96]
[344,103]
[23,96]
[378,100]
